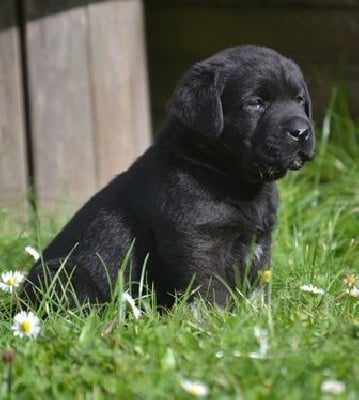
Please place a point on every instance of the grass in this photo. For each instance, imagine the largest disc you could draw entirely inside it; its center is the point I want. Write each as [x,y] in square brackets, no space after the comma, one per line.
[108,355]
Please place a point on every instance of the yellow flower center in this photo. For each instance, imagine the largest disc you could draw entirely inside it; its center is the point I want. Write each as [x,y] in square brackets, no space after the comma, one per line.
[350,280]
[26,326]
[195,390]
[266,275]
[11,282]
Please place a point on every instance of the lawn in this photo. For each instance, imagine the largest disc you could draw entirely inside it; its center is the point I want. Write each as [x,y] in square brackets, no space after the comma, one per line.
[301,345]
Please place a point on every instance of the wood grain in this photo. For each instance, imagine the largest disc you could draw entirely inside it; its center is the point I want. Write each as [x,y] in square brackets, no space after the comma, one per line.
[13,161]
[88,94]
[119,84]
[61,109]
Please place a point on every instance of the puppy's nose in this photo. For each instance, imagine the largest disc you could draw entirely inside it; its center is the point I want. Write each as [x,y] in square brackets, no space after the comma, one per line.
[299,133]
[298,129]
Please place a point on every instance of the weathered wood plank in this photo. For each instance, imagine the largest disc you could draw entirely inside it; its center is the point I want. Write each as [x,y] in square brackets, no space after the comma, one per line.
[13,164]
[88,94]
[61,110]
[119,84]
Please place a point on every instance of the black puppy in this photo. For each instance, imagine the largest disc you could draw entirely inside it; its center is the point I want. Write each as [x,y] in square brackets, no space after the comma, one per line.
[201,202]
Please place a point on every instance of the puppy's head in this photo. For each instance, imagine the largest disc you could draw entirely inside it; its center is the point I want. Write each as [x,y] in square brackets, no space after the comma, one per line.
[253,105]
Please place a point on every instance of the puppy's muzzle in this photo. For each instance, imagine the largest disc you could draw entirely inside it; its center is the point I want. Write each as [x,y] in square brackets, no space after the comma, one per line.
[300,136]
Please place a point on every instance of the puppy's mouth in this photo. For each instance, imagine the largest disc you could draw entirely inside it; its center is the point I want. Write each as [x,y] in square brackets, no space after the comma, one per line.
[295,165]
[270,172]
[299,160]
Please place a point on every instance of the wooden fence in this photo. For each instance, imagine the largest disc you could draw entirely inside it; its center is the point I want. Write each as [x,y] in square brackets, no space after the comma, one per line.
[74,107]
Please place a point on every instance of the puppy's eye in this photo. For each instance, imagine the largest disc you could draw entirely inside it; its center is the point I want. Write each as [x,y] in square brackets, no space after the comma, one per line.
[256,103]
[300,99]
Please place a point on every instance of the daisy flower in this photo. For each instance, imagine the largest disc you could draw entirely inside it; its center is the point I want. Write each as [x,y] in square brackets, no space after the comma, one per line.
[26,324]
[126,298]
[332,386]
[351,280]
[261,336]
[352,292]
[11,280]
[32,252]
[195,388]
[219,354]
[312,289]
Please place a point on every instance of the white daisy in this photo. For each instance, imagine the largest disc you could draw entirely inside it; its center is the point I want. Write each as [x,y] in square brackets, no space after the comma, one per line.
[312,289]
[26,324]
[195,388]
[351,280]
[261,336]
[353,291]
[332,386]
[11,280]
[32,252]
[219,354]
[126,298]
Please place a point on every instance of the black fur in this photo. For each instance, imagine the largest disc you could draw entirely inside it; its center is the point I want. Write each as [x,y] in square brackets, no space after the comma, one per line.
[202,200]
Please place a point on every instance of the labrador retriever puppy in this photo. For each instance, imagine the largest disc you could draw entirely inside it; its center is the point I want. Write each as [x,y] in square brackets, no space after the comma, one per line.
[200,204]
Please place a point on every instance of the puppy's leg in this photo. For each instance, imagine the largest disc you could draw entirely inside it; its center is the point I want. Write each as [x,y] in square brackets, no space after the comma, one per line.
[260,274]
[214,290]
[58,282]
[193,281]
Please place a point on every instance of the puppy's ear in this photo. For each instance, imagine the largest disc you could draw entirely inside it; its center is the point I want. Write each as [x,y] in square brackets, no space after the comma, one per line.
[196,101]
